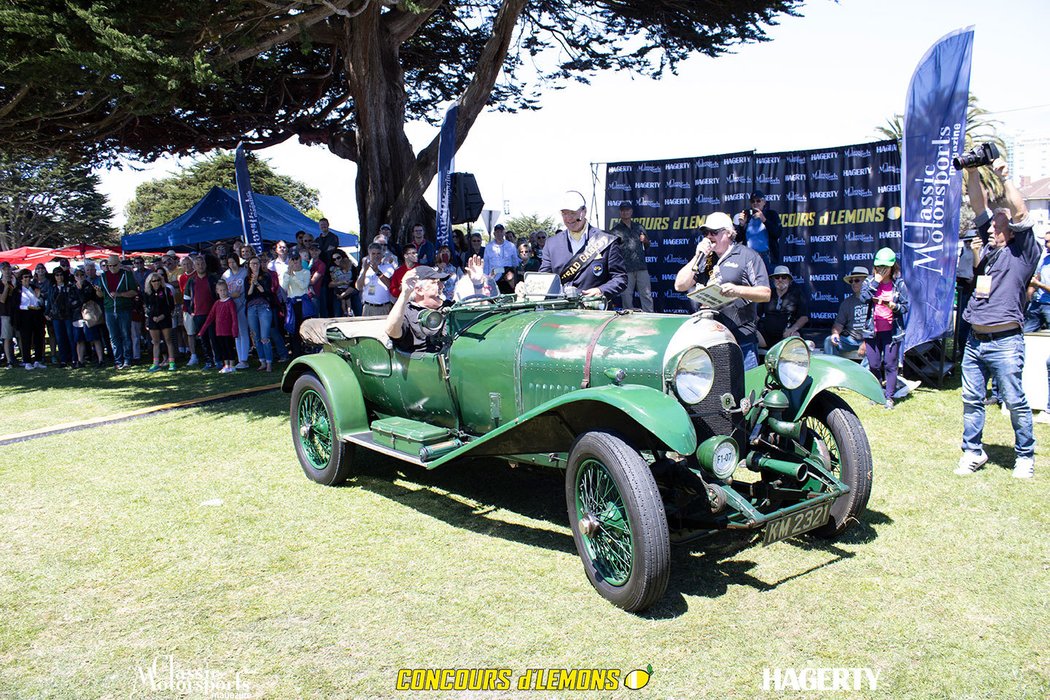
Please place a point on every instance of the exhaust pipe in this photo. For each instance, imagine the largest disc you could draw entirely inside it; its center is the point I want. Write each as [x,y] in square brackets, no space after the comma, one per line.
[795,470]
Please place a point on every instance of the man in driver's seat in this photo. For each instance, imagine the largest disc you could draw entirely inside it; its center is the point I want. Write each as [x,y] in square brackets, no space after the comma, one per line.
[420,290]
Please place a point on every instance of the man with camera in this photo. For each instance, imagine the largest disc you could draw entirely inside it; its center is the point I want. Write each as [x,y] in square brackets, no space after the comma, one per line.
[1006,253]
[762,229]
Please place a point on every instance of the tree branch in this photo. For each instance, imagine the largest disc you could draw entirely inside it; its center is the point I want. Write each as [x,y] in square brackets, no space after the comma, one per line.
[293,26]
[471,102]
[403,24]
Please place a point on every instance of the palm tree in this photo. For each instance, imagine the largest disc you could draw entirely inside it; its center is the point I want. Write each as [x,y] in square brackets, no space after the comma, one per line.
[980,128]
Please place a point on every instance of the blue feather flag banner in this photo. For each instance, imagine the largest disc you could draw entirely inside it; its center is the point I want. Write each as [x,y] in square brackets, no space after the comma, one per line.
[250,229]
[934,132]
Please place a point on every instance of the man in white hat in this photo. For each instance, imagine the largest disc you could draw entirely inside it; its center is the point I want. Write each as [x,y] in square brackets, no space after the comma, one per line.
[741,275]
[852,316]
[584,256]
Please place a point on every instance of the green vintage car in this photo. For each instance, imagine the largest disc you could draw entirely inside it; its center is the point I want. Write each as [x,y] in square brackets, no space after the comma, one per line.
[662,435]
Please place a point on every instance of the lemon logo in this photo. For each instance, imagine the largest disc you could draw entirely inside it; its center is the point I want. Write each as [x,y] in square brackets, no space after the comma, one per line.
[894,213]
[638,678]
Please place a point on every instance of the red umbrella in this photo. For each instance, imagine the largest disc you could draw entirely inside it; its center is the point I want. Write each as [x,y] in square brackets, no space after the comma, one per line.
[20,256]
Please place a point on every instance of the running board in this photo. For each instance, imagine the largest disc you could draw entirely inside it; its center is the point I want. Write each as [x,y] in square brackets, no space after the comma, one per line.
[366,440]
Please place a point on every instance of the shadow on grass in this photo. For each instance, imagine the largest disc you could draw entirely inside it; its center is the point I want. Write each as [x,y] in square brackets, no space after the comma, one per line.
[710,572]
[465,493]
[113,392]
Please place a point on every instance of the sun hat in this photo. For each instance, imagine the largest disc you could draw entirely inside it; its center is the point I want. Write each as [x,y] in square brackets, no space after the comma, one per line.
[858,271]
[781,271]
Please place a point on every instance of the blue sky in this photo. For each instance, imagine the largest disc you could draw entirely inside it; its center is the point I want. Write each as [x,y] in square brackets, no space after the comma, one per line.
[827,78]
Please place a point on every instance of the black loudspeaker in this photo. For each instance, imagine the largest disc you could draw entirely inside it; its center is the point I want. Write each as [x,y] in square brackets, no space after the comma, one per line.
[466,202]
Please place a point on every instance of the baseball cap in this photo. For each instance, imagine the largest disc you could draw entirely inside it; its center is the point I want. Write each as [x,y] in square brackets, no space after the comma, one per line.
[385,227]
[758,194]
[781,271]
[885,257]
[858,271]
[716,221]
[572,200]
[626,205]
[501,227]
[425,272]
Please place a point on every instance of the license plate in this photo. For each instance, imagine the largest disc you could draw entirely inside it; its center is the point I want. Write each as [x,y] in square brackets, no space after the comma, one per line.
[796,523]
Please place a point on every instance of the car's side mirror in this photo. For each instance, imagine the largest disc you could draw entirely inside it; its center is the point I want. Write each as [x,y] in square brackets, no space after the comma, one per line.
[432,320]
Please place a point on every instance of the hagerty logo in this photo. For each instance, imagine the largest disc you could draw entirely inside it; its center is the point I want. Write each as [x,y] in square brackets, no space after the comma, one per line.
[824,679]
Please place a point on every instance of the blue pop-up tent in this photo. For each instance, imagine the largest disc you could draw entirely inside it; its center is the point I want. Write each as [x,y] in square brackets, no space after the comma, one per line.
[218,216]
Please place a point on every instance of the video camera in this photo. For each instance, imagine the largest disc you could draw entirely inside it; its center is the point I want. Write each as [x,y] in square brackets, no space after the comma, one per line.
[980,155]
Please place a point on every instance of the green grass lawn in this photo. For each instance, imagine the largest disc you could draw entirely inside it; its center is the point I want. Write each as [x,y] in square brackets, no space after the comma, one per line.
[194,534]
[39,398]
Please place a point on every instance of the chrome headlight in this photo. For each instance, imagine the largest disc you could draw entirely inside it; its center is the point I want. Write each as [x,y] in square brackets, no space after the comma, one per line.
[788,362]
[694,375]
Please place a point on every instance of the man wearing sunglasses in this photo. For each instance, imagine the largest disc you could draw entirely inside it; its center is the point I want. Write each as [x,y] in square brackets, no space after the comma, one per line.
[740,274]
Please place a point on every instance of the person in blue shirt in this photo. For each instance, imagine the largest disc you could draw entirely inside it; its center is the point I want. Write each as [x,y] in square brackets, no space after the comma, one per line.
[1006,255]
[762,229]
[1038,314]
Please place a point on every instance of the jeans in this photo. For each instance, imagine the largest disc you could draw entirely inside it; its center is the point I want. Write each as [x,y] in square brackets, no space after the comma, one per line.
[243,341]
[846,344]
[259,319]
[119,325]
[1036,317]
[1002,359]
[638,279]
[63,329]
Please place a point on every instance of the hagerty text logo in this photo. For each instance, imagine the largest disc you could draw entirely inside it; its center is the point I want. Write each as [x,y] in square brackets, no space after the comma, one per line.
[825,679]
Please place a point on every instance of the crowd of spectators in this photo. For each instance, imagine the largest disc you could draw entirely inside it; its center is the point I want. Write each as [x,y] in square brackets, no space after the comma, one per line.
[216,307]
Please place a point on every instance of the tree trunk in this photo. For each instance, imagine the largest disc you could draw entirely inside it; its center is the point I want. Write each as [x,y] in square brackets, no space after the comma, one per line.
[391,179]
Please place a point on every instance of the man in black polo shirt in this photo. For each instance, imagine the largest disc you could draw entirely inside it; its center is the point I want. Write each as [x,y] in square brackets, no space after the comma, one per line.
[1006,253]
[420,289]
[740,273]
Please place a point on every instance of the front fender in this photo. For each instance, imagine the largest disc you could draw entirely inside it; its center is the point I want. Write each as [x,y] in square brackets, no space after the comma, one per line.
[341,385]
[825,372]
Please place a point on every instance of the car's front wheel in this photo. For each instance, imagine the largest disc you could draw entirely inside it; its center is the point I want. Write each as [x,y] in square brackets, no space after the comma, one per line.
[324,457]
[833,423]
[617,520]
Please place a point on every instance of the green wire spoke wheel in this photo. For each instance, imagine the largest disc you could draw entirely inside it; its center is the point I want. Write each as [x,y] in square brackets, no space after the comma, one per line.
[323,456]
[617,520]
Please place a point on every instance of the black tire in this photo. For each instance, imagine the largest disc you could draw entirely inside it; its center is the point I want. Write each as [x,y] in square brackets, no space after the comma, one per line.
[598,458]
[831,419]
[329,467]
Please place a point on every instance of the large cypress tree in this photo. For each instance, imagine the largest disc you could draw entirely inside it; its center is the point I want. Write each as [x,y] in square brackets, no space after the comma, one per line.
[102,79]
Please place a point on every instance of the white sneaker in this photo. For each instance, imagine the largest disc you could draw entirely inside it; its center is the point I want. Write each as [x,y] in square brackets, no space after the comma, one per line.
[39,365]
[971,462]
[28,365]
[1024,468]
[193,361]
[1041,417]
[241,365]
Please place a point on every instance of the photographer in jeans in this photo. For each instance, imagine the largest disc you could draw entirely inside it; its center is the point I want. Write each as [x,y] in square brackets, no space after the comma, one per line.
[1006,254]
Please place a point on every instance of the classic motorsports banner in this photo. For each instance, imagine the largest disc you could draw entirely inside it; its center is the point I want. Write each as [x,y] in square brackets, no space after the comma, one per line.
[837,206]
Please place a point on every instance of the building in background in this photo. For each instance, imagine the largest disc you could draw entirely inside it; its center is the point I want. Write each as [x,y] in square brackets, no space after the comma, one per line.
[1028,156]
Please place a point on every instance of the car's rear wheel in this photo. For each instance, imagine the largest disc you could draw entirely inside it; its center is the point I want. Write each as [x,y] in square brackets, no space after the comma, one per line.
[833,423]
[323,456]
[618,521]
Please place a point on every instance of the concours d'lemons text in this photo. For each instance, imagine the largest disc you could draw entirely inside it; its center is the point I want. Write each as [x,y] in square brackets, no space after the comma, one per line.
[503,679]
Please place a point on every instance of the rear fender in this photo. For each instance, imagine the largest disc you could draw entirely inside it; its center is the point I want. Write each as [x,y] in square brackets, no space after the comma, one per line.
[825,372]
[341,385]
